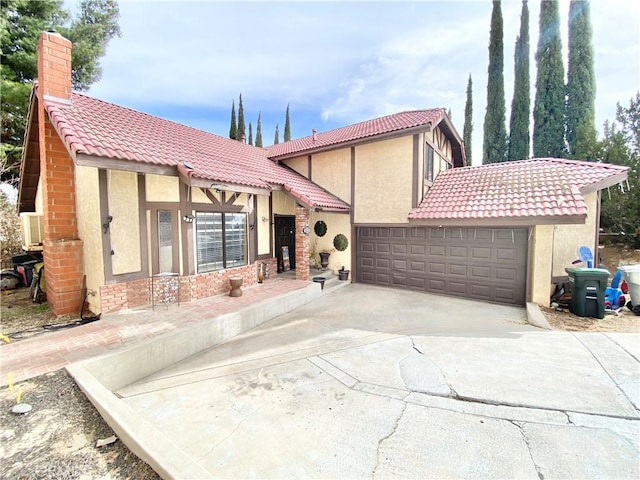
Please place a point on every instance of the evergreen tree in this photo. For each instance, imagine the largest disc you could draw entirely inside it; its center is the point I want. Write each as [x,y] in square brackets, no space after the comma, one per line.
[241,129]
[259,132]
[250,134]
[233,130]
[519,133]
[276,138]
[549,105]
[287,126]
[21,24]
[581,85]
[468,120]
[494,148]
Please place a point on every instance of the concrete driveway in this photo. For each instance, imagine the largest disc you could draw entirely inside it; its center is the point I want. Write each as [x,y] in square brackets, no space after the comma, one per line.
[368,382]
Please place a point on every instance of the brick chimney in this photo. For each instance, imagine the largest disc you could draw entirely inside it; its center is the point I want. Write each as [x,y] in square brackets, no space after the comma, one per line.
[63,261]
[54,67]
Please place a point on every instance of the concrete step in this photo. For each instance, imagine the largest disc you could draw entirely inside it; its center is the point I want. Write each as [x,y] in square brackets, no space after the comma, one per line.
[331,280]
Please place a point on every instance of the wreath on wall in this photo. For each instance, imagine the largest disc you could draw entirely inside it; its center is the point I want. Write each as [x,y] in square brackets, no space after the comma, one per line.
[320,228]
[340,242]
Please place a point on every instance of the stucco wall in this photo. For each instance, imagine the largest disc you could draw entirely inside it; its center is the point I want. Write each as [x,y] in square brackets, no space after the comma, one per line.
[568,238]
[332,171]
[264,226]
[198,196]
[336,223]
[299,164]
[90,231]
[383,181]
[541,262]
[283,204]
[122,188]
[161,188]
[39,205]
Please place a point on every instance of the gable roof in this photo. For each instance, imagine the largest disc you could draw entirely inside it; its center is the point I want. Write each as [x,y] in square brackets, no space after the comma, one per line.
[398,122]
[106,135]
[535,191]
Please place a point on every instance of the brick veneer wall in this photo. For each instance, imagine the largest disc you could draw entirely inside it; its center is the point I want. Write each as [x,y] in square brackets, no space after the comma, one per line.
[136,293]
[302,243]
[62,250]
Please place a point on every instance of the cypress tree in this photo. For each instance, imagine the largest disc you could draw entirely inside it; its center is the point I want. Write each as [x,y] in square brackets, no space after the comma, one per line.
[519,142]
[549,105]
[494,148]
[233,130]
[581,85]
[276,138]
[259,132]
[250,134]
[241,129]
[468,120]
[287,126]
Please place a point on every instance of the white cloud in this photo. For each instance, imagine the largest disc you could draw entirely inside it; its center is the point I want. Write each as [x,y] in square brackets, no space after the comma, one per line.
[339,62]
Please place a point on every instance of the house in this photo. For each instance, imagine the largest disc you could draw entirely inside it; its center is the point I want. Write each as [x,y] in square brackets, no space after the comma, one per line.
[126,196]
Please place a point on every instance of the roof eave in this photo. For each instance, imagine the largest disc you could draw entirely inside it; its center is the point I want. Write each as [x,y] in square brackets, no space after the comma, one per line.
[426,127]
[501,222]
[24,156]
[605,183]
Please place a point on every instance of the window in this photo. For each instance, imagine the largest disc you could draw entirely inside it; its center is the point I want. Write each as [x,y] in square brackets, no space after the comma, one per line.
[221,240]
[165,243]
[428,163]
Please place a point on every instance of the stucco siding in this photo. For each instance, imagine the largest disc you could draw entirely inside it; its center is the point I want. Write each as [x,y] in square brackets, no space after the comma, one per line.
[38,202]
[336,223]
[264,224]
[299,164]
[283,204]
[161,188]
[569,238]
[383,181]
[124,231]
[332,171]
[90,231]
[198,196]
[541,263]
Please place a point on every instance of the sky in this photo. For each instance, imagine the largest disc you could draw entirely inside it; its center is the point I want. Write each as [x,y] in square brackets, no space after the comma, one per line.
[337,63]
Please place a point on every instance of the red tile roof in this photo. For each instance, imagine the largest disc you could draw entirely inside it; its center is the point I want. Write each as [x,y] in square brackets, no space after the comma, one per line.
[369,128]
[526,189]
[93,127]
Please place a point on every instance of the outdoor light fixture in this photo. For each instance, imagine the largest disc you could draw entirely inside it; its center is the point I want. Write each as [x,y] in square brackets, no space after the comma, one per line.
[188,218]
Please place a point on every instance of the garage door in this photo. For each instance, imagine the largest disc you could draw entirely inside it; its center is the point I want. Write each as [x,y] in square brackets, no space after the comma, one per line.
[479,263]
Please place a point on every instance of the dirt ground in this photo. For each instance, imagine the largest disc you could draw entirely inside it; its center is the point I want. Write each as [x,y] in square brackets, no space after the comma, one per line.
[57,439]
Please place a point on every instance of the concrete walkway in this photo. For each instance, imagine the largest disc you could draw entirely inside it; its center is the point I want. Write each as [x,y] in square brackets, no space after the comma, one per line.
[54,350]
[368,382]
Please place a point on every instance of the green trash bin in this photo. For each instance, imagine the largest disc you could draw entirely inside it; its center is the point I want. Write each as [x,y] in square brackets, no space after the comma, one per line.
[588,286]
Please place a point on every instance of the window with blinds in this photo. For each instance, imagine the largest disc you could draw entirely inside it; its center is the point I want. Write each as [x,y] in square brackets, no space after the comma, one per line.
[221,240]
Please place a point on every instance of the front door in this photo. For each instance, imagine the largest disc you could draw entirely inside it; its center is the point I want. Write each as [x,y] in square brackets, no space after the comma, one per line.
[285,233]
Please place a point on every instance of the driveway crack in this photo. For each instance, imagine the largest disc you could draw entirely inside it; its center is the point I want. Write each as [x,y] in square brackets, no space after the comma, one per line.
[526,442]
[393,431]
[413,343]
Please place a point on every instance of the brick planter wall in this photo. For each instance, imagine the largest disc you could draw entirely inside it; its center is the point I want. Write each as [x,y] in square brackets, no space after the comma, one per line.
[134,294]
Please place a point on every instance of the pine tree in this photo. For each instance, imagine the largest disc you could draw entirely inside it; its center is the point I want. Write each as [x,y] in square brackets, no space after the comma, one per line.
[250,134]
[233,130]
[494,147]
[259,132]
[581,85]
[519,130]
[276,138]
[241,129]
[468,120]
[549,105]
[287,126]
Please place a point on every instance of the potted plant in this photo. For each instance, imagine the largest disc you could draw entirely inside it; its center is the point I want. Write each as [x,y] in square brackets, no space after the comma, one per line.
[343,274]
[324,257]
